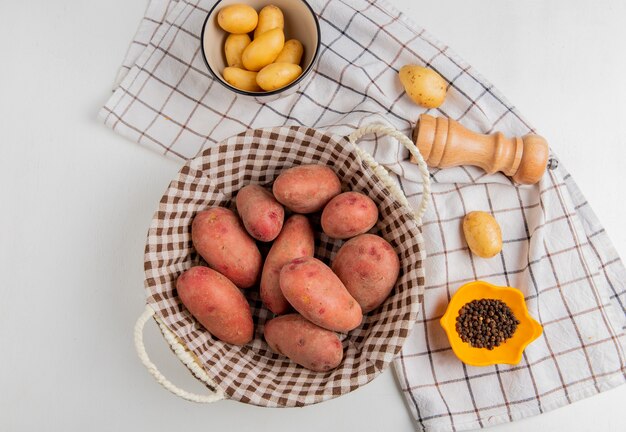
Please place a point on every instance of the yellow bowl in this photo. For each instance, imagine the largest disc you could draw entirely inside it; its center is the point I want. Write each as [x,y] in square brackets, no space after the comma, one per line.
[510,352]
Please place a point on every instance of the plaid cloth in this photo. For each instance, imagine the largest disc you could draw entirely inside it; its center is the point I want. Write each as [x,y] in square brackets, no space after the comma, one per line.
[555,250]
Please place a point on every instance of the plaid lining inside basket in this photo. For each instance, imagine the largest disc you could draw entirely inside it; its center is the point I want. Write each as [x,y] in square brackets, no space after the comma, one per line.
[253,373]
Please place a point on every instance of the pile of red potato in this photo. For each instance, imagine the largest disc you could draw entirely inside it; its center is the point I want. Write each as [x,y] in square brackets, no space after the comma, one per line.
[326,299]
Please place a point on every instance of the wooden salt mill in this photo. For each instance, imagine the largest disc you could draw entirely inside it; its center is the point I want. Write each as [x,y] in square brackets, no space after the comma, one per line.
[445,143]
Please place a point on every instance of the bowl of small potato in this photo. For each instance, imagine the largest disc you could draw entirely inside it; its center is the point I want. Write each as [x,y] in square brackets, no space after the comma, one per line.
[265,49]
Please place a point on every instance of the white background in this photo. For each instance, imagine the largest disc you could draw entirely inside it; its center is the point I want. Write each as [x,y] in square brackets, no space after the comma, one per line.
[76,201]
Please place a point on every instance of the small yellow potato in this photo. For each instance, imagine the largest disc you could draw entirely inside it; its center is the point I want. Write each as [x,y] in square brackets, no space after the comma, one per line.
[238,18]
[291,53]
[263,50]
[482,234]
[242,79]
[423,85]
[277,75]
[233,48]
[270,17]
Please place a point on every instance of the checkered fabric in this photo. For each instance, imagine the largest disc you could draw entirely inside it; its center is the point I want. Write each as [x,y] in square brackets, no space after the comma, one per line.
[555,250]
[253,373]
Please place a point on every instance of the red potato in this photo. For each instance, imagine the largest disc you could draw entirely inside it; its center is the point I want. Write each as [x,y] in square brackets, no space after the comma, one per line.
[368,267]
[316,292]
[294,241]
[217,304]
[306,188]
[261,214]
[304,343]
[222,241]
[349,214]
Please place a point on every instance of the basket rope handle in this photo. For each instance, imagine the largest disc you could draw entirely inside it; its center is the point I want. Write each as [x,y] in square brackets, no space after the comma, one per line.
[382,172]
[181,353]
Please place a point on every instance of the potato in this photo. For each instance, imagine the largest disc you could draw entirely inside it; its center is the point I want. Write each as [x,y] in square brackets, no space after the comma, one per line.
[237,18]
[263,50]
[425,86]
[368,267]
[294,241]
[219,237]
[304,343]
[291,53]
[270,17]
[306,188]
[349,214]
[241,79]
[233,48]
[217,304]
[261,214]
[482,234]
[316,292]
[277,75]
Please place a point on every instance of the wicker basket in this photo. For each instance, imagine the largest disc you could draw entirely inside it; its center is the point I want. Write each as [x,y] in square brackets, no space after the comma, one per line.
[253,373]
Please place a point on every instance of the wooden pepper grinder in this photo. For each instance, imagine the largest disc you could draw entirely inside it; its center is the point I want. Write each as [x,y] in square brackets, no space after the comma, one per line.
[445,143]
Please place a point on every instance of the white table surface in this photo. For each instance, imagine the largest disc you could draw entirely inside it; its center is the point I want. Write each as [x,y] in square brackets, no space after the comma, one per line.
[77,200]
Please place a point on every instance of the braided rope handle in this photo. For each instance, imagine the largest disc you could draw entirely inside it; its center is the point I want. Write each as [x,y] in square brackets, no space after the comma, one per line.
[184,356]
[382,173]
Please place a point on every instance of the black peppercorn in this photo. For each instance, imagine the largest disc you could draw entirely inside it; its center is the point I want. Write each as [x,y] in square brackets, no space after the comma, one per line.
[486,323]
